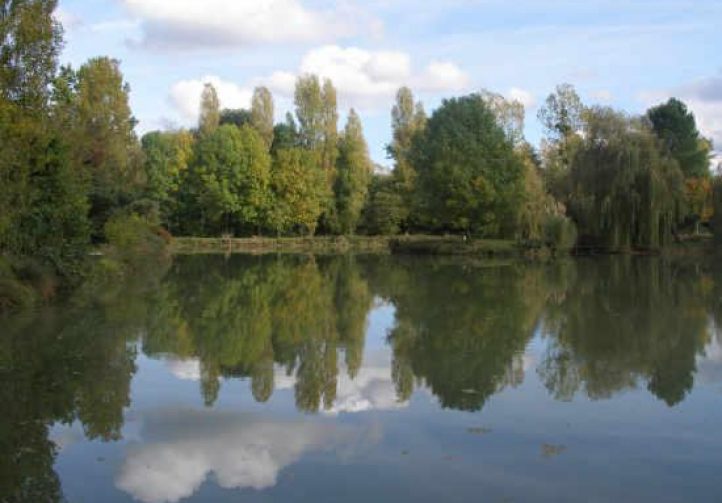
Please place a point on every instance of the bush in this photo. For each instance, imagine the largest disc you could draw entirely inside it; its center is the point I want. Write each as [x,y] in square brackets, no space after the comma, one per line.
[132,235]
[560,233]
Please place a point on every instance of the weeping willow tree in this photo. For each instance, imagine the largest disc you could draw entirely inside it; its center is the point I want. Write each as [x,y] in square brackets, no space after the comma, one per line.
[625,193]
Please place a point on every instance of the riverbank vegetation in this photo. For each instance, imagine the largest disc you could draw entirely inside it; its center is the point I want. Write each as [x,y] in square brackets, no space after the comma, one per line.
[75,176]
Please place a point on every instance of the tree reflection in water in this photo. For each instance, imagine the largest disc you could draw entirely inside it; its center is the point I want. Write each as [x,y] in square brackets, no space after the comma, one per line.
[460,330]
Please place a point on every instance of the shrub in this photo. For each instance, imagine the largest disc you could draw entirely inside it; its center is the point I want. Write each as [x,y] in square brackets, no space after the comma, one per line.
[131,234]
[560,233]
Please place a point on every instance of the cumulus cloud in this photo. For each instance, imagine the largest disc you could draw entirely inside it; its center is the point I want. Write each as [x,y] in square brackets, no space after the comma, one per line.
[364,77]
[182,448]
[522,96]
[183,24]
[371,389]
[185,370]
[185,96]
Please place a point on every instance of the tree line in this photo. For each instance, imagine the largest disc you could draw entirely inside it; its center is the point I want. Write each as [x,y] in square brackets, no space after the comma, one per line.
[71,162]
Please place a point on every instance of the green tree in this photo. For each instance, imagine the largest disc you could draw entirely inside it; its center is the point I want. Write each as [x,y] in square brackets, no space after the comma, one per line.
[316,111]
[716,221]
[353,175]
[262,114]
[43,203]
[285,135]
[297,191]
[562,119]
[469,177]
[235,116]
[509,113]
[231,170]
[385,210]
[210,115]
[166,159]
[626,193]
[408,119]
[676,127]
[562,113]
[31,43]
[309,111]
[105,138]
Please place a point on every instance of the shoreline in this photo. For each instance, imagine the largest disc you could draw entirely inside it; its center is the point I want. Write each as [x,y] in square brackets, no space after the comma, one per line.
[376,245]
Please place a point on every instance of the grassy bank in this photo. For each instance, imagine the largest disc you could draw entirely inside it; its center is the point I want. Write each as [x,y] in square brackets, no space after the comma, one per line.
[411,245]
[261,245]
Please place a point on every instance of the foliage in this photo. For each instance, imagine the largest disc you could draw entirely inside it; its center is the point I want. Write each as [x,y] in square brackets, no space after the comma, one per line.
[167,156]
[316,111]
[676,127]
[716,219]
[509,114]
[297,191]
[408,119]
[562,113]
[231,173]
[236,117]
[285,135]
[262,114]
[698,200]
[354,173]
[385,211]
[559,232]
[210,115]
[131,234]
[469,177]
[626,194]
[104,137]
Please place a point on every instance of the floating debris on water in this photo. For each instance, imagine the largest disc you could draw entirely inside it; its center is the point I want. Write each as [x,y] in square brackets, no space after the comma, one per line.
[551,451]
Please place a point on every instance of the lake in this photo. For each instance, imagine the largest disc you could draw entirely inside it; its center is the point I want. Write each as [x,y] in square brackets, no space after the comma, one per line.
[327,379]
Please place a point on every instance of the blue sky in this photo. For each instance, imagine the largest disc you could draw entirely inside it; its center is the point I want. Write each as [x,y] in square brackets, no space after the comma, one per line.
[626,54]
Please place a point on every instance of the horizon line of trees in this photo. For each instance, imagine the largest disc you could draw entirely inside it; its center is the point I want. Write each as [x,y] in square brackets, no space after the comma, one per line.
[619,181]
[70,162]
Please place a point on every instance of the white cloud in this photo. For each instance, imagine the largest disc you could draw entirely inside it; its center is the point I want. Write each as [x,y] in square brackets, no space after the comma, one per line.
[178,24]
[364,77]
[239,451]
[185,370]
[441,76]
[522,96]
[185,96]
[371,389]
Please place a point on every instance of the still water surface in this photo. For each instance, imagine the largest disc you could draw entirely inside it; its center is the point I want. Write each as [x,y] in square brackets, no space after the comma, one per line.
[332,379]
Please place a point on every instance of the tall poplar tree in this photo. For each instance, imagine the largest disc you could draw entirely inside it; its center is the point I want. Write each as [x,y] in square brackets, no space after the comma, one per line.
[262,110]
[210,114]
[354,171]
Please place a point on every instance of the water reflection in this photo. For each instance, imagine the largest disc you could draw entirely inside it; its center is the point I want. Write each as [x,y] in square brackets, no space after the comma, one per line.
[459,331]
[181,448]
[625,322]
